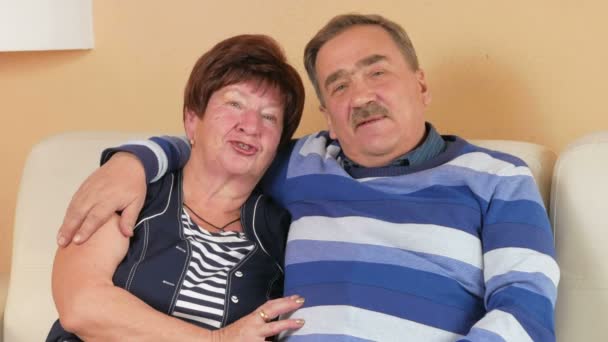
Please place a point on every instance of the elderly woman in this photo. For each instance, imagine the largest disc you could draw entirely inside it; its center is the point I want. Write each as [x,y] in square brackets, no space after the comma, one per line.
[205,261]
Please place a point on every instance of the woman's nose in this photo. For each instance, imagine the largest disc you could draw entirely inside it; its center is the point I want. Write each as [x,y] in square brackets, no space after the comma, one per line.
[250,122]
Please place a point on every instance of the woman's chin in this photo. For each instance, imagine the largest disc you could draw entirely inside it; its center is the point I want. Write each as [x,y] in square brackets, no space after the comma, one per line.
[242,168]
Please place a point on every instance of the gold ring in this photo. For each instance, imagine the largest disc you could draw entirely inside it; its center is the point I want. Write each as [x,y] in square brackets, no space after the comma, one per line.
[264,315]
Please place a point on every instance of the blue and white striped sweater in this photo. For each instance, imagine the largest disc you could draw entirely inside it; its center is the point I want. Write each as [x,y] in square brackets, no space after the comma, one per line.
[461,249]
[458,248]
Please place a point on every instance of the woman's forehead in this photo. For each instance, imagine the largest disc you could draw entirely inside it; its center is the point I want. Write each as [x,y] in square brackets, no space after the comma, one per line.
[258,88]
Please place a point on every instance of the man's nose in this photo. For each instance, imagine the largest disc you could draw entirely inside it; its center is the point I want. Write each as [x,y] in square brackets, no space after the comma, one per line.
[362,94]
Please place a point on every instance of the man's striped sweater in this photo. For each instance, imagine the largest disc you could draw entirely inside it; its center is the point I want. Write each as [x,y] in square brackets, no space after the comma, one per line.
[459,247]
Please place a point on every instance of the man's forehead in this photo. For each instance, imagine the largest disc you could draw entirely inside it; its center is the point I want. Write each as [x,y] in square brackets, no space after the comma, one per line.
[369,60]
[361,63]
[355,45]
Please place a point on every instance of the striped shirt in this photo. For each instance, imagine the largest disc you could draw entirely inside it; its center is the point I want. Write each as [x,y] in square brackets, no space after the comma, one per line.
[202,295]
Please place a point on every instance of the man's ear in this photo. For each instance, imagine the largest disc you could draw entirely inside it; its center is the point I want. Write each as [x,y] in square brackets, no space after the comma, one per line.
[330,127]
[425,92]
[190,122]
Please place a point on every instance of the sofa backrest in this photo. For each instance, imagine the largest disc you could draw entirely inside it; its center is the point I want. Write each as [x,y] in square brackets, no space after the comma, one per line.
[53,171]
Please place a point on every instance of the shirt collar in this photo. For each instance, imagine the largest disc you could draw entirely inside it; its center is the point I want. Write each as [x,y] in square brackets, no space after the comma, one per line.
[431,146]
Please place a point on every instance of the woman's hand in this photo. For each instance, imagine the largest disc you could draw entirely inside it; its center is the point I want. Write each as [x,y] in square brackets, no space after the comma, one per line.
[259,325]
[118,185]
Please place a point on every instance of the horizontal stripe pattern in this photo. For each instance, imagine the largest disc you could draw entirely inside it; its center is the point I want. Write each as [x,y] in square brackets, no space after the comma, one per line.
[387,289]
[518,211]
[513,160]
[202,295]
[480,171]
[415,210]
[530,308]
[409,247]
[324,323]
[159,153]
[504,325]
[482,186]
[478,334]
[483,162]
[469,277]
[503,260]
[430,239]
[537,283]
[324,338]
[510,234]
[177,150]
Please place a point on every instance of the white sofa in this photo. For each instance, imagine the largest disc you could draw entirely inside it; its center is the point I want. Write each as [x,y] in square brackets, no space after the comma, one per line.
[578,205]
[57,165]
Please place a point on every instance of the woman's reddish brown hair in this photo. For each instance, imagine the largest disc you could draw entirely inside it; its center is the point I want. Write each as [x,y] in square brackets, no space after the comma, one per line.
[247,58]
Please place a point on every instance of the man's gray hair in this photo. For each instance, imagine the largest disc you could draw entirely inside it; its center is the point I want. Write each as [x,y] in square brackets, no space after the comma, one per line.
[339,24]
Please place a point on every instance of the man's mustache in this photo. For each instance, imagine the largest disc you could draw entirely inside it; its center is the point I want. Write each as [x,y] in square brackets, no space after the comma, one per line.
[361,114]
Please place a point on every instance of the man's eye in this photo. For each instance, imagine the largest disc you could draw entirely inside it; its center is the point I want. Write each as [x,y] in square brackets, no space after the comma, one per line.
[378,73]
[339,88]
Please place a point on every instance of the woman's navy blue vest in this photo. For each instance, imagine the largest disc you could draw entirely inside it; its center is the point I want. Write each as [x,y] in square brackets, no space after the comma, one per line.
[159,254]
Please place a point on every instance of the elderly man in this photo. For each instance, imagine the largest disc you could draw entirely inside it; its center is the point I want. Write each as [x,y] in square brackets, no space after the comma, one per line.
[398,233]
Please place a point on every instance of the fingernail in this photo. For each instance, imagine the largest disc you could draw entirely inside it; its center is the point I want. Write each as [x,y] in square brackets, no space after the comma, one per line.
[61,240]
[77,238]
[300,321]
[297,298]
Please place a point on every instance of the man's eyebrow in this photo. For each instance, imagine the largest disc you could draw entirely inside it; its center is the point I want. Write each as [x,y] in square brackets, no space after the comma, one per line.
[369,60]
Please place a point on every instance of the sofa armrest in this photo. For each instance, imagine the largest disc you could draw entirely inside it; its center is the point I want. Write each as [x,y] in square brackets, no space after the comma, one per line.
[53,170]
[578,215]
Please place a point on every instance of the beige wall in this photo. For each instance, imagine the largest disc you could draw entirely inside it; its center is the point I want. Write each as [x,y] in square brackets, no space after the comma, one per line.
[526,70]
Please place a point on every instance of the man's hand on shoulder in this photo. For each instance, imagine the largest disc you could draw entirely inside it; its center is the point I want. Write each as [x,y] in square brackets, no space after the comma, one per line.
[119,185]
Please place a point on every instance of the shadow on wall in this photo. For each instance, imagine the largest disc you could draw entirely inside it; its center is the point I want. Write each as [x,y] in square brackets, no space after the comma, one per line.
[26,62]
[482,97]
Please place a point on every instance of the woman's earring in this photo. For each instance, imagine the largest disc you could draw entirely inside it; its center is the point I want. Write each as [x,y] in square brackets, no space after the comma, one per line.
[191,143]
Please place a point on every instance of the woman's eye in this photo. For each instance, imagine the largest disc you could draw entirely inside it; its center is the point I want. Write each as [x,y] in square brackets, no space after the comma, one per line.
[269,117]
[378,73]
[235,104]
